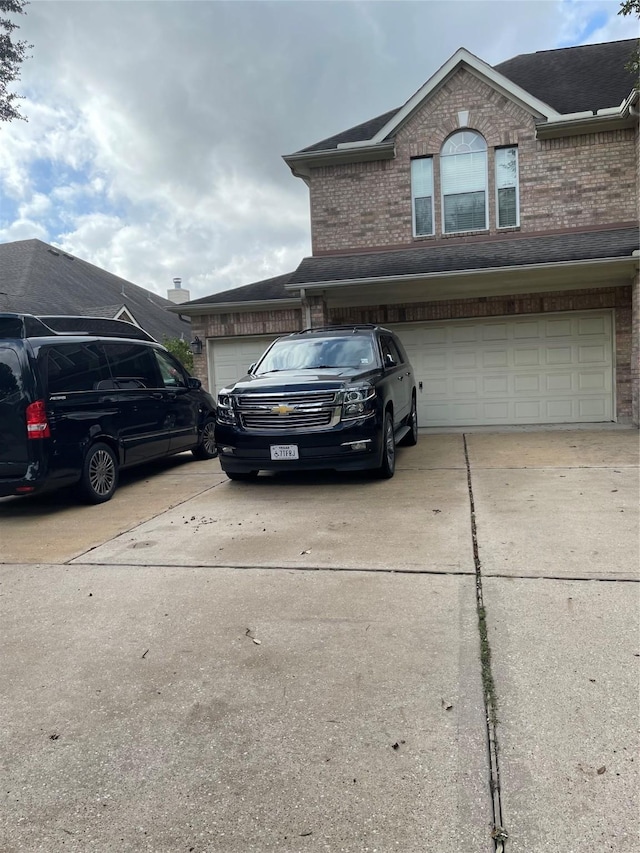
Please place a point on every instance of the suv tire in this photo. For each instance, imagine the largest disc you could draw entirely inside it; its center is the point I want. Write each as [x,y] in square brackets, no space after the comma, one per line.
[99,478]
[388,466]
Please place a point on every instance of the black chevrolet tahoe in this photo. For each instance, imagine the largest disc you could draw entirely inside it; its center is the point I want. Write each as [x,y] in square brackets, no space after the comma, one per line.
[338,397]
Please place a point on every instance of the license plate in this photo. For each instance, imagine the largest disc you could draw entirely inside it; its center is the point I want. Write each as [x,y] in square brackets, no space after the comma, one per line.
[284,451]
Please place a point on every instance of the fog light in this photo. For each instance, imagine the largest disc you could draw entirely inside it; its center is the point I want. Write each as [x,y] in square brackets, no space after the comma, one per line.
[228,451]
[357,445]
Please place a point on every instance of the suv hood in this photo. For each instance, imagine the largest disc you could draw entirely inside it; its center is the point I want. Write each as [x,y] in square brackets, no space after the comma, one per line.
[298,380]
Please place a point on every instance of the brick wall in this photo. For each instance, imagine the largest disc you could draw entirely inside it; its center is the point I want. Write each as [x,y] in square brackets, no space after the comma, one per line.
[570,182]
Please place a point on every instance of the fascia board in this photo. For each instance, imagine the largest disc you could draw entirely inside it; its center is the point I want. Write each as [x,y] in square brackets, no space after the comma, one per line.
[358,282]
[300,164]
[482,69]
[225,307]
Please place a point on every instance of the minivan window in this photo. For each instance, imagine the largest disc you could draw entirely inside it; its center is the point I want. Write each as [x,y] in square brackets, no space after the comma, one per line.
[74,367]
[172,374]
[10,383]
[133,366]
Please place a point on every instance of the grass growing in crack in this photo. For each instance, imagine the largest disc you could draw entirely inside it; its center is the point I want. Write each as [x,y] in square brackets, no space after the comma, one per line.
[485,662]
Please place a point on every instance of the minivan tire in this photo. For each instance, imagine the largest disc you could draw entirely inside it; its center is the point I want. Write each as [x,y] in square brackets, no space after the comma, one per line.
[99,478]
[207,447]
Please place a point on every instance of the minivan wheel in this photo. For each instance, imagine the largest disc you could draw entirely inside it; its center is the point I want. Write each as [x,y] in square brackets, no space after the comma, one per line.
[99,474]
[207,447]
[388,466]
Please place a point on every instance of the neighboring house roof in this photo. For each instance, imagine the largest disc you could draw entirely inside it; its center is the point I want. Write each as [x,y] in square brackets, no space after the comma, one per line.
[492,254]
[570,80]
[258,291]
[37,278]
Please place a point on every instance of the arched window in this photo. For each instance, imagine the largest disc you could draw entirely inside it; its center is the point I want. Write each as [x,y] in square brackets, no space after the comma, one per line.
[463,175]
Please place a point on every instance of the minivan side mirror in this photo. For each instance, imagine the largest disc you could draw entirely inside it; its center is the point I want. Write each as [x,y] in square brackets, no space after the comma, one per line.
[194,383]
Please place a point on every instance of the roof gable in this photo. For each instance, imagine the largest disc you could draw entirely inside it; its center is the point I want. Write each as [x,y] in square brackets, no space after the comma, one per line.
[550,84]
[37,278]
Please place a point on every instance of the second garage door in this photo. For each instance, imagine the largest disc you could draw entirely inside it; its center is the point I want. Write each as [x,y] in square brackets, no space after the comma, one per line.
[229,358]
[555,368]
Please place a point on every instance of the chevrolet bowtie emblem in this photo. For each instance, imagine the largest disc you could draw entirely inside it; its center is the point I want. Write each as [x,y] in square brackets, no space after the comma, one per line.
[283,410]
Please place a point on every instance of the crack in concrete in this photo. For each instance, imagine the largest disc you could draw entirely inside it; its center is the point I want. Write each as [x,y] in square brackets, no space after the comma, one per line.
[499,834]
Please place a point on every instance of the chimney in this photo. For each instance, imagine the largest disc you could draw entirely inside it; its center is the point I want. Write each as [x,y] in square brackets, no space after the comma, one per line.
[176,294]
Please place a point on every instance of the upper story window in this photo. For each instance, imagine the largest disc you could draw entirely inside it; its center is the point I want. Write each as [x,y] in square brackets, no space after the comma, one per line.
[507,196]
[422,196]
[463,174]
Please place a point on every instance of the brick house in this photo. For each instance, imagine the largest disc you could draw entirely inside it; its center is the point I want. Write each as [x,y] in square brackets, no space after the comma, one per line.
[492,221]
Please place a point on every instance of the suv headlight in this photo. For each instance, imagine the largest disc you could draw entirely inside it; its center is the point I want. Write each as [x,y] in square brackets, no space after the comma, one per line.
[358,402]
[224,412]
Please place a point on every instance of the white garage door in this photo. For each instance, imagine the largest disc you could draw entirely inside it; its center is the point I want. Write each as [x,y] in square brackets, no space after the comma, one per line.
[556,368]
[229,358]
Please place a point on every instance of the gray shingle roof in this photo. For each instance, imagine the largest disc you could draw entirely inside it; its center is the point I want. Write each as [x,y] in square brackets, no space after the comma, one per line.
[575,79]
[569,79]
[512,252]
[269,288]
[37,278]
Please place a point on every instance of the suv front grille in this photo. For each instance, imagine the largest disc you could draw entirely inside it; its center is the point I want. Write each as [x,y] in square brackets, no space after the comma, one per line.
[305,410]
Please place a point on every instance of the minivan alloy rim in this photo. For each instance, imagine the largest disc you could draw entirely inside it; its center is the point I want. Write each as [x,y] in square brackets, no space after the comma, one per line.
[101,472]
[208,438]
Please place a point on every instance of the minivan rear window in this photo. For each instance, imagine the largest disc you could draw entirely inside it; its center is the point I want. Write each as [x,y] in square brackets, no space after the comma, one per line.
[75,367]
[10,380]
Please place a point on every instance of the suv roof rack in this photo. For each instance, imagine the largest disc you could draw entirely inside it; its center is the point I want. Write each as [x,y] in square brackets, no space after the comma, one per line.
[343,327]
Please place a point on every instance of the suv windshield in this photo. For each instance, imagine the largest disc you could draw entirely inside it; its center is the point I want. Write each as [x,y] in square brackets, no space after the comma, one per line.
[350,351]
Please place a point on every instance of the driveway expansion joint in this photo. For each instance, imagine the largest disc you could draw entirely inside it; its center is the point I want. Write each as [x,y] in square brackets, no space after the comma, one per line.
[499,833]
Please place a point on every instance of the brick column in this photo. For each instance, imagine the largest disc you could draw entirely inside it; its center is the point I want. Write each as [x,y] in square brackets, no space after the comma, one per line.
[635,350]
[319,312]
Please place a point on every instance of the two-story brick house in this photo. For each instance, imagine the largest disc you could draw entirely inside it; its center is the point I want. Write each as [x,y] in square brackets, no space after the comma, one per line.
[492,221]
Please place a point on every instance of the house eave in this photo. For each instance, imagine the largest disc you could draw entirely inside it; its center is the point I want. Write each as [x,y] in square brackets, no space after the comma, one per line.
[301,164]
[576,124]
[630,262]
[246,305]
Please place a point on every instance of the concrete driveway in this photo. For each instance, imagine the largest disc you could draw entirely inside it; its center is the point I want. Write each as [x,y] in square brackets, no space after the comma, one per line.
[324,663]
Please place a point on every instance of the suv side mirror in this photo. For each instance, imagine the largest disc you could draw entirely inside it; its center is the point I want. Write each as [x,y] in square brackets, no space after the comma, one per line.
[194,383]
[251,367]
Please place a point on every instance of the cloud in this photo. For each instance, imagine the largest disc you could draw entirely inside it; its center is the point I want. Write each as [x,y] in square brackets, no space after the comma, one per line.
[156,129]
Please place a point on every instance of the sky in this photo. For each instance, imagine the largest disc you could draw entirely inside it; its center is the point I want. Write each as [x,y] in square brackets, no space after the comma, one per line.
[156,128]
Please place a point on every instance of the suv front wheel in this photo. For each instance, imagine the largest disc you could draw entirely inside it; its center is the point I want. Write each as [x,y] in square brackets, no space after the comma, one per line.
[388,466]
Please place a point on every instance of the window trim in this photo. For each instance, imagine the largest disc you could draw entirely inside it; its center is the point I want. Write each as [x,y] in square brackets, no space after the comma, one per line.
[517,188]
[486,186]
[414,197]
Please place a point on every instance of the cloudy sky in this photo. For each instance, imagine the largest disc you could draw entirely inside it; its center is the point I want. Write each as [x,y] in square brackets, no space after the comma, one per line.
[157,127]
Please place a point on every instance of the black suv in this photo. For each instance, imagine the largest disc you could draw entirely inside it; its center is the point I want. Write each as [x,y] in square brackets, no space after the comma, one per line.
[82,397]
[338,397]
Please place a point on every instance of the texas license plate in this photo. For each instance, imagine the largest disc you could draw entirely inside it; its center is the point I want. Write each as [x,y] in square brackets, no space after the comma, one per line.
[284,451]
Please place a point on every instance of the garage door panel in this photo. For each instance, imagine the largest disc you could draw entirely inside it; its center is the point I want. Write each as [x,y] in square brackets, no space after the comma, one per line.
[549,370]
[230,358]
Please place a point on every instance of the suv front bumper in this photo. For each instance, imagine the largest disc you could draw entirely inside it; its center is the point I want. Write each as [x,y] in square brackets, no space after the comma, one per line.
[349,446]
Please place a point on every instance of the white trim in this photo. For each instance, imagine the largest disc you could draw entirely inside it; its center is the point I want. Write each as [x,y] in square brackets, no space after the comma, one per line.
[212,307]
[460,58]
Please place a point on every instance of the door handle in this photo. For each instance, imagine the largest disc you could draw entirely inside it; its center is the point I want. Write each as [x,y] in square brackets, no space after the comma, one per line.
[400,378]
[157,395]
[420,386]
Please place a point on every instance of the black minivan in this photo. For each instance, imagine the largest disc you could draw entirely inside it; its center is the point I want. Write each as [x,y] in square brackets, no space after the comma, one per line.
[82,397]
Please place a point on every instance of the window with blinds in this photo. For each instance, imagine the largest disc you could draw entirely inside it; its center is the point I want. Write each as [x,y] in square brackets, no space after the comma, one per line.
[463,174]
[422,196]
[507,200]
